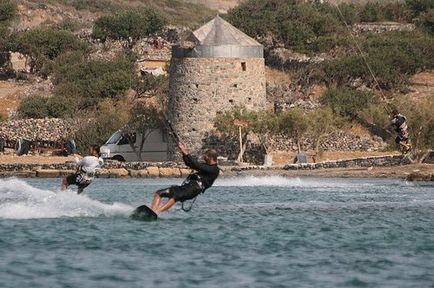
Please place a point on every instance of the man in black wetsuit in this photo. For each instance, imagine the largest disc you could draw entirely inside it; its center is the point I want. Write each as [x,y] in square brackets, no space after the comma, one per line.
[399,122]
[196,183]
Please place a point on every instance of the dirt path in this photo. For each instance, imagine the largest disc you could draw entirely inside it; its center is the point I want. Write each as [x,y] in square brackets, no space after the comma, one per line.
[34,159]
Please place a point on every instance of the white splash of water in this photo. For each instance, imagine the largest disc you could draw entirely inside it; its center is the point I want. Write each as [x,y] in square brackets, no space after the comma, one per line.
[286,181]
[19,200]
[251,181]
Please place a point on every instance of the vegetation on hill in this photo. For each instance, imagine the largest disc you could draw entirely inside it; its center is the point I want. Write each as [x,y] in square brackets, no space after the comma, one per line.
[8,11]
[129,24]
[176,12]
[89,88]
[44,45]
[313,28]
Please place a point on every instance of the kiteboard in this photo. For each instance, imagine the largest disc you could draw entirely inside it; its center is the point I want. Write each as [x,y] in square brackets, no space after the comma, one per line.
[143,213]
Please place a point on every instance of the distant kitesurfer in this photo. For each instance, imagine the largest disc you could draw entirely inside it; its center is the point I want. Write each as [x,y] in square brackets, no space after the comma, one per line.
[86,168]
[196,183]
[399,122]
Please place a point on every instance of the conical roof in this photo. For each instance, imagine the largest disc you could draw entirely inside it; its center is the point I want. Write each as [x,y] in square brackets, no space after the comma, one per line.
[219,32]
[218,38]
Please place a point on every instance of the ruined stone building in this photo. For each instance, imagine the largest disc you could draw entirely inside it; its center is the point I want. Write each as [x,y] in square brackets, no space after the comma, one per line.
[213,69]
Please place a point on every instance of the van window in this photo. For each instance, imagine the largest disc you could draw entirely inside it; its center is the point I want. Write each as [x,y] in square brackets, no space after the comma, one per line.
[125,141]
[114,139]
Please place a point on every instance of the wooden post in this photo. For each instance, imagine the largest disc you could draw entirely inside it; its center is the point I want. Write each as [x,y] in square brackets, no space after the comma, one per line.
[240,158]
[240,124]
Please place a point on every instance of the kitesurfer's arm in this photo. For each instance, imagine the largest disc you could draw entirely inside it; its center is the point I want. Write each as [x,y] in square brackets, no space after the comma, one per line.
[193,163]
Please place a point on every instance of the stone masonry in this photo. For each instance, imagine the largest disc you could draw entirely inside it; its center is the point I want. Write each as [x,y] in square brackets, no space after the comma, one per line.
[200,88]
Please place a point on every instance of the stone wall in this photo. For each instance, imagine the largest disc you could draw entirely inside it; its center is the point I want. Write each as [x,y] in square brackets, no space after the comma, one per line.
[381,27]
[202,87]
[285,59]
[48,129]
[113,169]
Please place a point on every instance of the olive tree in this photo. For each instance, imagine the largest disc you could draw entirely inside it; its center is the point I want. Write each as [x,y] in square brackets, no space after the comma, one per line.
[144,120]
[294,124]
[236,122]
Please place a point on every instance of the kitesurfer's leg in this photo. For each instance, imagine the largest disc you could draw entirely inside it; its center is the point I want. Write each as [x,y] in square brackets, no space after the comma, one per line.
[156,201]
[166,206]
[64,184]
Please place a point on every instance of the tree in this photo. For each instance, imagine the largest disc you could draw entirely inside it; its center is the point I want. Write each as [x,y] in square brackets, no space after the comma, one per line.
[236,122]
[264,125]
[348,102]
[293,123]
[34,107]
[108,117]
[8,9]
[128,25]
[426,21]
[321,122]
[419,6]
[90,81]
[144,120]
[45,44]
[420,121]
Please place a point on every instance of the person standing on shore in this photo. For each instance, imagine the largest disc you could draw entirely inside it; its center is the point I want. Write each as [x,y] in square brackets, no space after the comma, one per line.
[399,122]
[195,184]
[86,168]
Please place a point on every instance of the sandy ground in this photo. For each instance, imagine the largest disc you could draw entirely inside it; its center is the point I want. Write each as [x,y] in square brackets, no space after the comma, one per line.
[279,158]
[34,159]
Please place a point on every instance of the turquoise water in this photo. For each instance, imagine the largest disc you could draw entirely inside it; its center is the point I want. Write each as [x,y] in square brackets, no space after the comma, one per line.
[244,232]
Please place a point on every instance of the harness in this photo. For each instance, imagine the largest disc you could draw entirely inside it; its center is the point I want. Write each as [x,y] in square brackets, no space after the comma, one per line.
[192,178]
[84,177]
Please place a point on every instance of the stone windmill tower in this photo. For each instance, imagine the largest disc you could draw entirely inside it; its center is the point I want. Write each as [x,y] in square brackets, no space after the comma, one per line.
[214,69]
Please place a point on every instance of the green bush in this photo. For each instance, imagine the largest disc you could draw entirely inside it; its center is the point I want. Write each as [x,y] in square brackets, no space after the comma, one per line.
[294,23]
[61,107]
[392,57]
[426,21]
[348,102]
[419,6]
[90,81]
[37,106]
[108,117]
[45,44]
[419,113]
[8,9]
[132,24]
[34,107]
[95,6]
[371,12]
[293,123]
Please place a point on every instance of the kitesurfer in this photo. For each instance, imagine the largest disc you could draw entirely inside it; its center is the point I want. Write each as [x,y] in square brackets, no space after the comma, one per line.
[399,123]
[196,183]
[86,168]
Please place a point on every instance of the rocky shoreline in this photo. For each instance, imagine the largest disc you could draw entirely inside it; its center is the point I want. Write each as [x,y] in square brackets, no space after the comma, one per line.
[393,166]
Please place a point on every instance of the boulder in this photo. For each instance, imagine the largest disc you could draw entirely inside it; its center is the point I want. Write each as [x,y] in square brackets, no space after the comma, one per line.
[112,173]
[118,172]
[48,173]
[169,172]
[139,173]
[185,172]
[153,171]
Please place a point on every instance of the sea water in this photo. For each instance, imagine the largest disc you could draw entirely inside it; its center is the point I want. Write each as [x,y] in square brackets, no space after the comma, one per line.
[243,232]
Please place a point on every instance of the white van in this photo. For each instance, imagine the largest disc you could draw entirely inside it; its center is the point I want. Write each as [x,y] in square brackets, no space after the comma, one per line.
[118,148]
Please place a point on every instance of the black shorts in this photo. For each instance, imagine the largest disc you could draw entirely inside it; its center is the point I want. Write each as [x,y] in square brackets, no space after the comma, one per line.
[73,179]
[400,138]
[181,193]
